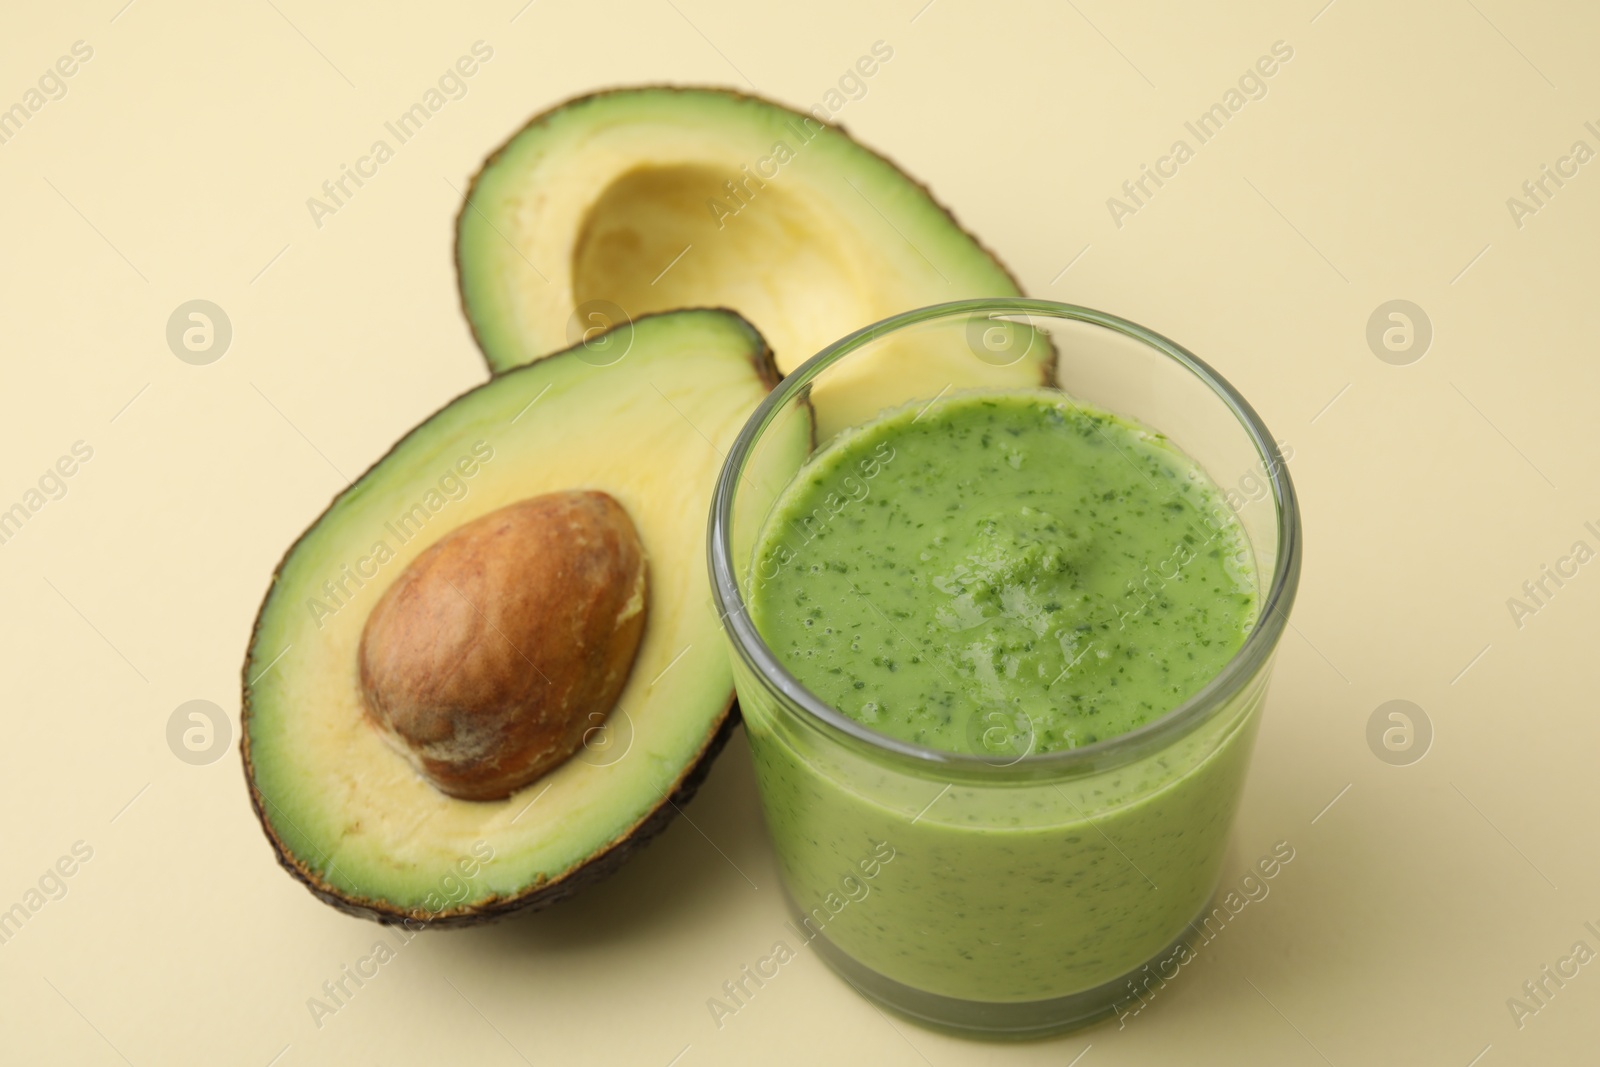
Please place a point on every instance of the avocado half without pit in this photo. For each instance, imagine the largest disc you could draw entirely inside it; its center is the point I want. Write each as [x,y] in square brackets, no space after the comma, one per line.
[638,200]
[491,669]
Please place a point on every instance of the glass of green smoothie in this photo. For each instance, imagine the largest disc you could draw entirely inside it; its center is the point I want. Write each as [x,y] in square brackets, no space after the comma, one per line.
[1003,581]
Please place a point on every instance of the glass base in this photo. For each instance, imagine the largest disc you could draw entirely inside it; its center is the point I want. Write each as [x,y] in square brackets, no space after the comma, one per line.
[993,1020]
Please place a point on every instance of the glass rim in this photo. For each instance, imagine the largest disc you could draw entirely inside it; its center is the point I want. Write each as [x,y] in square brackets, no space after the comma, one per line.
[1234,675]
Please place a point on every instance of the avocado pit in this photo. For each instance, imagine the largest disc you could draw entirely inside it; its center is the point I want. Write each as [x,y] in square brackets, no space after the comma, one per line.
[504,643]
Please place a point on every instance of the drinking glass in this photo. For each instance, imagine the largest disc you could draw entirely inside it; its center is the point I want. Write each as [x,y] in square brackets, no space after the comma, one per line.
[995,891]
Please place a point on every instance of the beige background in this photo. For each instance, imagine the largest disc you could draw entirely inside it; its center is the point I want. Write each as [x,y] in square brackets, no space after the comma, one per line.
[1378,166]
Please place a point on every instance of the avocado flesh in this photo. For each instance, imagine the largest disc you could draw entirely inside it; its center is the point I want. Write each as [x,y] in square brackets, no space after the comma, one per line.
[620,198]
[347,814]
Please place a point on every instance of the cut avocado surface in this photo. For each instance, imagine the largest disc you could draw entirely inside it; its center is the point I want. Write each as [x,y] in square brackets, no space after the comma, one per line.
[643,415]
[639,200]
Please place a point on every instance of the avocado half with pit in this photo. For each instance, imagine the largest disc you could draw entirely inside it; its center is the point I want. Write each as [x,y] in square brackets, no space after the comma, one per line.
[639,200]
[491,669]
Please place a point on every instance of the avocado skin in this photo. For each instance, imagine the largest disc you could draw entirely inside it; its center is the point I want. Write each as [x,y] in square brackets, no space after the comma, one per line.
[587,872]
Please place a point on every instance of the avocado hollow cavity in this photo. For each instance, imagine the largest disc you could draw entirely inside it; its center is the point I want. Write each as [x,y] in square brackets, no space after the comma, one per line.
[500,647]
[742,242]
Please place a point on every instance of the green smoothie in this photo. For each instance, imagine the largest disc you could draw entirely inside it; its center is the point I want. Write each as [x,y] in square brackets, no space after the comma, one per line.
[1005,574]
[1056,570]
